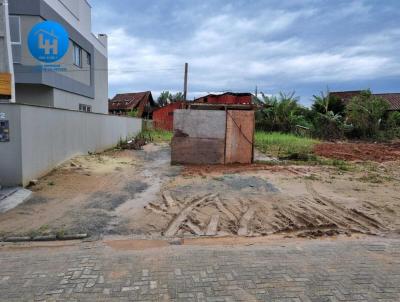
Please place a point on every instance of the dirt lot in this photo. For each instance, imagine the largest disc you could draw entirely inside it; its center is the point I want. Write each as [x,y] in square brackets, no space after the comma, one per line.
[139,193]
[360,151]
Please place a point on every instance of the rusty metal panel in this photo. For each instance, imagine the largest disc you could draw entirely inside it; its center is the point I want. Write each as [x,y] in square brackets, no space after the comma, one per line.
[239,137]
[186,150]
[163,118]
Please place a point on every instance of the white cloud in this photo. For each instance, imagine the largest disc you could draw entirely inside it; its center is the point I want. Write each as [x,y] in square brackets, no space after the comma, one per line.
[133,59]
[229,51]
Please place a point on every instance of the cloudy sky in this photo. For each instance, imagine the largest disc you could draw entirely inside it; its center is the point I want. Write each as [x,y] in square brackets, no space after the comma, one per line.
[278,45]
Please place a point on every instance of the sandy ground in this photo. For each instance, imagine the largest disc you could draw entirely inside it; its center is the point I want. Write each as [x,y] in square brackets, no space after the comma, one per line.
[139,193]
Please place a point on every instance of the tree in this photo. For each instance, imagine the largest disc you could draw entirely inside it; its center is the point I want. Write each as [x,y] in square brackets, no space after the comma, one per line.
[282,113]
[366,113]
[167,97]
[326,102]
[392,125]
[164,98]
[328,111]
[328,126]
[179,96]
[393,119]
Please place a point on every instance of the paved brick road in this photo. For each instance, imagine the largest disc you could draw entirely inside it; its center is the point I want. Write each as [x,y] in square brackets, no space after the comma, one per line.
[364,270]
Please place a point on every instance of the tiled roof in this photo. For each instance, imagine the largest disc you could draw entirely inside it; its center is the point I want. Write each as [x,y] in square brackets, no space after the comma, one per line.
[128,101]
[345,96]
[392,98]
[226,98]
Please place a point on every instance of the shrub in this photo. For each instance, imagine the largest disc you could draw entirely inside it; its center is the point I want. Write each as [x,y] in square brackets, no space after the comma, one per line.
[328,103]
[393,120]
[282,113]
[366,113]
[133,113]
[283,145]
[328,126]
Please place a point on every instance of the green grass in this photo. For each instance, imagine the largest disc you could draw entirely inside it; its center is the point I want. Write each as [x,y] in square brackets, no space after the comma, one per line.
[341,165]
[158,135]
[283,145]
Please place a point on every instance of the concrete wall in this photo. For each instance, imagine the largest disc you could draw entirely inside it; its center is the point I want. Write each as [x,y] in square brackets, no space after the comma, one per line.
[201,123]
[213,137]
[100,78]
[199,137]
[42,138]
[34,94]
[10,152]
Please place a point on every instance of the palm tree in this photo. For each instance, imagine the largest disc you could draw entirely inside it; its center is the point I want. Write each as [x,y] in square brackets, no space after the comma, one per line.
[282,113]
[326,102]
[164,98]
[179,96]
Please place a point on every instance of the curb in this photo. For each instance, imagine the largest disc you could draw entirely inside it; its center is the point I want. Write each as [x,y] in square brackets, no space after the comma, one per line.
[44,238]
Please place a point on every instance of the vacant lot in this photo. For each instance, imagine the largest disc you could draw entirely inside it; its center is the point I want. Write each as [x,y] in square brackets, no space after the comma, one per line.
[139,193]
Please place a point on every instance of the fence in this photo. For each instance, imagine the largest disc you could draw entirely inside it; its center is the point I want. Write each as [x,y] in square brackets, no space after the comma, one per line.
[41,138]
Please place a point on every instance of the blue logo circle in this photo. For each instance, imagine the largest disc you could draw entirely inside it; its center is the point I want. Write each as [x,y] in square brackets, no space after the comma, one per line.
[48,41]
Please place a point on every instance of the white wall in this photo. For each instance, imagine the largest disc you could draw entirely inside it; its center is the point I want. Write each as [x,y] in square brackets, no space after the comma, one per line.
[49,136]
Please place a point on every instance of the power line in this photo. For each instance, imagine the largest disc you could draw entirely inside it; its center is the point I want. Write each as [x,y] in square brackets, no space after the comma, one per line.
[61,69]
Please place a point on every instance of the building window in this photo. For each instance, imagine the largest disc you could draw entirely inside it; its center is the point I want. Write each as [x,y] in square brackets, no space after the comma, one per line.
[77,55]
[15,32]
[88,59]
[85,108]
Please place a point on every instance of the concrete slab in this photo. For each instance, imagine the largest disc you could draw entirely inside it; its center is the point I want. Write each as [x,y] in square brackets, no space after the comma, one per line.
[187,150]
[12,197]
[203,124]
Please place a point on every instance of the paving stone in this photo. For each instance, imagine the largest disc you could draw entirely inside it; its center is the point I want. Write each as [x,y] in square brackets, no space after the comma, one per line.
[91,283]
[132,288]
[348,270]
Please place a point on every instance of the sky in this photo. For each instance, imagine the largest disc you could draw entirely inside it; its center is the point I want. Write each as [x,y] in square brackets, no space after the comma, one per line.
[304,46]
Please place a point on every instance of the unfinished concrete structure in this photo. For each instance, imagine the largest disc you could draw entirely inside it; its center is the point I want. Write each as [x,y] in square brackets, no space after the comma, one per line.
[208,134]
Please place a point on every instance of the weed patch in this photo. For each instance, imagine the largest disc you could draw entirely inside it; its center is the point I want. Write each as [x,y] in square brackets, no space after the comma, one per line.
[285,146]
[158,135]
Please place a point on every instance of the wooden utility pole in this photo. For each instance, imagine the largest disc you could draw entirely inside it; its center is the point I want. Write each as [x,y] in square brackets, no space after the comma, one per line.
[185,85]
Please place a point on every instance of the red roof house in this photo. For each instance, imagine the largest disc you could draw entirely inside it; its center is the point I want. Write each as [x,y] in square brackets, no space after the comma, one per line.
[163,118]
[393,99]
[124,103]
[226,98]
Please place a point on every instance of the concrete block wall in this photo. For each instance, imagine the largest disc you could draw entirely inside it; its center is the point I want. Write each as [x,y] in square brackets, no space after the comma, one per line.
[42,138]
[213,137]
[199,137]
